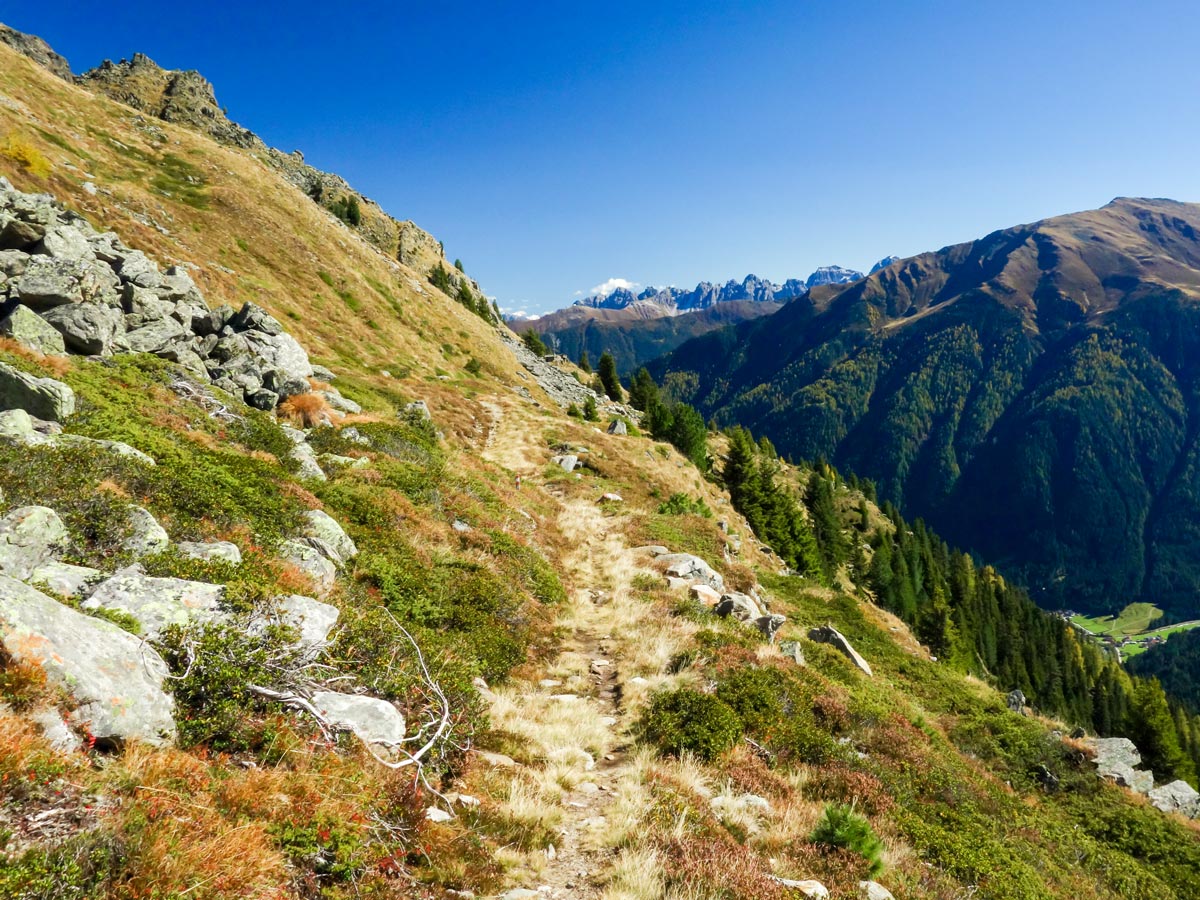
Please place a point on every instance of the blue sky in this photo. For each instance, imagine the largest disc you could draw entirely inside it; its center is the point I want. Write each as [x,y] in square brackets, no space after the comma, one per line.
[554,146]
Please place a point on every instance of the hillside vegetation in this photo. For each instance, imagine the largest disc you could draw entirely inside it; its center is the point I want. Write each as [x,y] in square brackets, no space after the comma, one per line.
[1032,393]
[599,664]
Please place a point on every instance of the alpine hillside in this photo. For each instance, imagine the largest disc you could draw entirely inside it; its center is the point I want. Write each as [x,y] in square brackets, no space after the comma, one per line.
[316,584]
[1033,393]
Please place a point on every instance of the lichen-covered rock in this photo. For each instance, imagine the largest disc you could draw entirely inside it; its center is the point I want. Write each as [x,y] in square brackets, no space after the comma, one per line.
[16,426]
[375,722]
[30,537]
[312,562]
[43,398]
[146,536]
[1117,759]
[114,677]
[311,618]
[29,329]
[223,551]
[157,603]
[827,634]
[873,890]
[64,579]
[323,528]
[117,447]
[793,651]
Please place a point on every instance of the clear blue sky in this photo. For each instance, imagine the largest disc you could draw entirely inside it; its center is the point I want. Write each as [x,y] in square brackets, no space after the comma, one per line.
[553,146]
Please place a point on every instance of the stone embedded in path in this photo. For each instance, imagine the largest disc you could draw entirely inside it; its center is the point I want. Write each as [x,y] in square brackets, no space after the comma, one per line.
[116,679]
[30,537]
[42,398]
[827,634]
[157,603]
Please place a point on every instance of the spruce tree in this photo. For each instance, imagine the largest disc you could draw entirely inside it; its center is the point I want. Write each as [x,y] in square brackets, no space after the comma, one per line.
[608,377]
[584,362]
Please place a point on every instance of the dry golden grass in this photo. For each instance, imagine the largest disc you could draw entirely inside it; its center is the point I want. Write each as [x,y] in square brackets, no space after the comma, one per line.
[305,410]
[57,366]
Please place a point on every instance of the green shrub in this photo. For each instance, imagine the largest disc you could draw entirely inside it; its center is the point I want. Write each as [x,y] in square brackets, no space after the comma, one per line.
[590,413]
[687,721]
[841,826]
[681,504]
[574,411]
[214,665]
[474,367]
[534,342]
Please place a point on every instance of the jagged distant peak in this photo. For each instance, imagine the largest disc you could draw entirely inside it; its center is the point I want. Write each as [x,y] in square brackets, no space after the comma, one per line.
[883,264]
[833,275]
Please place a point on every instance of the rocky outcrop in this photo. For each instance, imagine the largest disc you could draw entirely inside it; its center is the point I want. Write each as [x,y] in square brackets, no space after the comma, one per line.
[116,680]
[827,634]
[692,569]
[37,50]
[324,533]
[216,551]
[101,297]
[562,388]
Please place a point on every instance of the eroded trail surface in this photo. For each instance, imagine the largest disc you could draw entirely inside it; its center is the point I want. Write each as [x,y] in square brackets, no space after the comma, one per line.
[574,715]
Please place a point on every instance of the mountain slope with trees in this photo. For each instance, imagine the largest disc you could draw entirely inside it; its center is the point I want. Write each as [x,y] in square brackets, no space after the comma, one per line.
[1032,393]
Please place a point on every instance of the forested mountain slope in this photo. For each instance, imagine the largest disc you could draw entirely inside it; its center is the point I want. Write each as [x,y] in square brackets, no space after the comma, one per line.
[1032,393]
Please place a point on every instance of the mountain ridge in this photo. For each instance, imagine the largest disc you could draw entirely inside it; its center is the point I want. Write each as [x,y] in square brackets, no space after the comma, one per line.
[979,351]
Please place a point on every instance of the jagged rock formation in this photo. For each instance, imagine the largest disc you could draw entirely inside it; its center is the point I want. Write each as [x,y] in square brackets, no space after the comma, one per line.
[36,49]
[103,297]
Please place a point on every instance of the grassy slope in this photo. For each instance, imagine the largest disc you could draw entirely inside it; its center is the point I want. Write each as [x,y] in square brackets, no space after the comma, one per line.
[945,774]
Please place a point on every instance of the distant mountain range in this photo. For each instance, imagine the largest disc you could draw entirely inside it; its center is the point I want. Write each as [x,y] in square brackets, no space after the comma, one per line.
[1034,395]
[637,327]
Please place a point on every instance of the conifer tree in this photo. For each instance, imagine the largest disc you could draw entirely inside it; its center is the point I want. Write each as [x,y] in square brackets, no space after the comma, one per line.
[584,363]
[608,377]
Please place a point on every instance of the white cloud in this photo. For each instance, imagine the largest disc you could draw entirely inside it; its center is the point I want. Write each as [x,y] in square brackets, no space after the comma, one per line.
[613,284]
[522,314]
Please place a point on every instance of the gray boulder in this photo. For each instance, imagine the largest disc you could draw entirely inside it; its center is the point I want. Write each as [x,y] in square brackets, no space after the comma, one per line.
[373,721]
[770,625]
[26,327]
[116,679]
[617,426]
[312,562]
[146,536]
[566,462]
[30,537]
[1117,759]
[65,242]
[873,890]
[157,603]
[43,398]
[311,618]
[252,317]
[17,427]
[692,569]
[154,336]
[117,447]
[48,282]
[740,606]
[88,328]
[280,351]
[827,634]
[263,399]
[216,550]
[332,538]
[1178,796]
